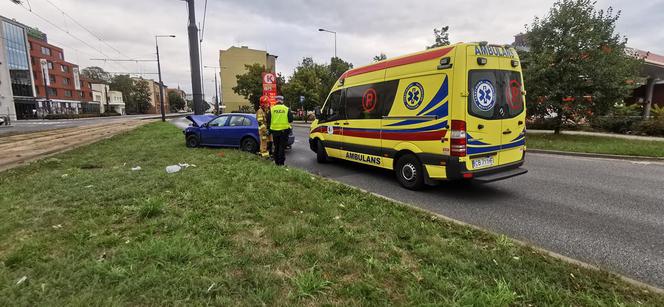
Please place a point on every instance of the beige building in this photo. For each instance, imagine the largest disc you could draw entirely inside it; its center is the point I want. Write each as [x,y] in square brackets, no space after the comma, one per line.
[232,63]
[115,102]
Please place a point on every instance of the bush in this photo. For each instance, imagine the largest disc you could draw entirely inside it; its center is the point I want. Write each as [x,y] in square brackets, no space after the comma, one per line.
[615,124]
[109,113]
[654,127]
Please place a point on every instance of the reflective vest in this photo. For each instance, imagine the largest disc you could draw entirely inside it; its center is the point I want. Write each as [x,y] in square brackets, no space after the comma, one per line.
[279,118]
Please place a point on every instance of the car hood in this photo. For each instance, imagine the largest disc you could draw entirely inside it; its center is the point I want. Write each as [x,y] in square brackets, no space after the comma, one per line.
[199,120]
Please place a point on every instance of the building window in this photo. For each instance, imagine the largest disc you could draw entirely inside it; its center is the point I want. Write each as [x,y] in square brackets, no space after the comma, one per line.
[52,91]
[45,50]
[65,81]
[51,78]
[49,64]
[64,68]
[67,93]
[80,94]
[62,57]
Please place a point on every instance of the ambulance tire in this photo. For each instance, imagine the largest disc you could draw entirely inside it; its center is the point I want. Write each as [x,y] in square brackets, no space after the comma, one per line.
[409,172]
[193,141]
[321,154]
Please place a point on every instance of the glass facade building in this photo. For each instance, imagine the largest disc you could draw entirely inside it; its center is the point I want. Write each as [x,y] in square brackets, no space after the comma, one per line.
[17,53]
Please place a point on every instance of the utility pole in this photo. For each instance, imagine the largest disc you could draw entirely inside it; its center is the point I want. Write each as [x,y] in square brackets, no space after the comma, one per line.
[161,83]
[195,61]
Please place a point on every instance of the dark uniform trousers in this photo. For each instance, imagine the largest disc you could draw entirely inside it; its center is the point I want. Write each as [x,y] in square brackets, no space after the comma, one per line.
[279,141]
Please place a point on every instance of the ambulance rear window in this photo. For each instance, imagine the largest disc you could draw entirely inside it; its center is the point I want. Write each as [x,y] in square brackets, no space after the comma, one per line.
[494,94]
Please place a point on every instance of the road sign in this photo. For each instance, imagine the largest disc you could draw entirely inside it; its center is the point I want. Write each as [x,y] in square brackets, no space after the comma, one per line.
[270,86]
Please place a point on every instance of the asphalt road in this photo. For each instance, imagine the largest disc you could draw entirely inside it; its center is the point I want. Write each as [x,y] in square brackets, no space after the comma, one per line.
[609,213]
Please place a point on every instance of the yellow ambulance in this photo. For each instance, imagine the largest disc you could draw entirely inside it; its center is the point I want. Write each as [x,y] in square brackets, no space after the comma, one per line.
[450,113]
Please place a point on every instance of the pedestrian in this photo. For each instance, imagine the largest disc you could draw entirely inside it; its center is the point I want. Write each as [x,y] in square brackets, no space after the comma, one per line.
[279,119]
[263,132]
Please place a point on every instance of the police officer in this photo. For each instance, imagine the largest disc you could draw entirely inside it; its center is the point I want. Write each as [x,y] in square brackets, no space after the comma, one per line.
[263,132]
[279,119]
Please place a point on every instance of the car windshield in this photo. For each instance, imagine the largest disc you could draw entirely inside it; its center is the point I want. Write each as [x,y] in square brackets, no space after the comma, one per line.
[495,94]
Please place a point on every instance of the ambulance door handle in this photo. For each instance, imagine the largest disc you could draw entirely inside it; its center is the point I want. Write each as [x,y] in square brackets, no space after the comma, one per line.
[480,126]
[346,124]
[520,123]
[507,131]
[336,124]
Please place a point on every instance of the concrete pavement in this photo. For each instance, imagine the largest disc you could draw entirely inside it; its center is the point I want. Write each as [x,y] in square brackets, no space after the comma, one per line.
[608,213]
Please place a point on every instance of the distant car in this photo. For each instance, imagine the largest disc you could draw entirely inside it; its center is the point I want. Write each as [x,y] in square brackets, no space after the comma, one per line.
[228,130]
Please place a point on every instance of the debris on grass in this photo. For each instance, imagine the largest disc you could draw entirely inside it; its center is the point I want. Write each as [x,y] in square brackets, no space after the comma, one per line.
[221,154]
[57,226]
[173,169]
[89,186]
[64,175]
[136,168]
[211,286]
[21,280]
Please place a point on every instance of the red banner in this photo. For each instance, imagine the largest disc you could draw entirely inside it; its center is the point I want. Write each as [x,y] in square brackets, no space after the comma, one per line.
[270,86]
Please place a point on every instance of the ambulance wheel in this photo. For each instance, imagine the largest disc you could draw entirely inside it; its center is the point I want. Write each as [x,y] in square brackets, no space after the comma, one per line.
[193,141]
[409,172]
[321,154]
[248,144]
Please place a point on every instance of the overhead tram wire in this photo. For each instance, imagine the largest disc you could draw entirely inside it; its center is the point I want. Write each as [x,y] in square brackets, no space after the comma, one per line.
[68,33]
[204,15]
[86,29]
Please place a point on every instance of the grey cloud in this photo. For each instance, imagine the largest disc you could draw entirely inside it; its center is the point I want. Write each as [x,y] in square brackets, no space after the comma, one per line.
[288,28]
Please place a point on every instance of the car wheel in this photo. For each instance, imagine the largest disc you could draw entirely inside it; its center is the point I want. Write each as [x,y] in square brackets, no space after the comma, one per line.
[409,172]
[321,154]
[193,141]
[249,145]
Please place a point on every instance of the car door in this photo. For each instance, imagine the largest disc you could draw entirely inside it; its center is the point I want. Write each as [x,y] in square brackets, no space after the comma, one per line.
[483,119]
[513,115]
[213,132]
[237,127]
[334,115]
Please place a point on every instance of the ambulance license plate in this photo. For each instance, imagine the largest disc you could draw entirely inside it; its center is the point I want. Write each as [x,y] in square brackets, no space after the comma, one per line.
[482,162]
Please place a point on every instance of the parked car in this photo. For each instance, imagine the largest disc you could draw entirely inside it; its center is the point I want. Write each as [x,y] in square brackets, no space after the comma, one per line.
[228,130]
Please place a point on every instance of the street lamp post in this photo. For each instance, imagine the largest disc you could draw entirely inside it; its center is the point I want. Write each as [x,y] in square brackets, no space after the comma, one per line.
[335,39]
[216,88]
[161,83]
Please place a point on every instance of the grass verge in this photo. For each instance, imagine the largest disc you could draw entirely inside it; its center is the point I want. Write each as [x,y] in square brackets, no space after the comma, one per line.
[595,144]
[83,229]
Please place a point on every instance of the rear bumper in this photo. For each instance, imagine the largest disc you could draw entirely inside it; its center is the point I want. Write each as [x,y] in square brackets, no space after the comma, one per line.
[456,170]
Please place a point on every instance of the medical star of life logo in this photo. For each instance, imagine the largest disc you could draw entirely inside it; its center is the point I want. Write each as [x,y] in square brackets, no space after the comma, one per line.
[484,95]
[413,96]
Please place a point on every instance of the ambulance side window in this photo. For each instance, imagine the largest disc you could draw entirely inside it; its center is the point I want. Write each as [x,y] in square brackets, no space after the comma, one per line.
[334,107]
[363,102]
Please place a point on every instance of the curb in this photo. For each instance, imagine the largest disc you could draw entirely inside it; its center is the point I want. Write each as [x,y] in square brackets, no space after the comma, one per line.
[595,155]
[549,253]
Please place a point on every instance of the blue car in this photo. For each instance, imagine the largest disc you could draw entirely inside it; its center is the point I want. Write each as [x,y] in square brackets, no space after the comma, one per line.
[228,130]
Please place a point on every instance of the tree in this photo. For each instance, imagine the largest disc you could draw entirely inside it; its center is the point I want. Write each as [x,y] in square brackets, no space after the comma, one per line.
[577,66]
[176,102]
[313,81]
[380,57]
[96,74]
[140,96]
[250,84]
[123,84]
[442,37]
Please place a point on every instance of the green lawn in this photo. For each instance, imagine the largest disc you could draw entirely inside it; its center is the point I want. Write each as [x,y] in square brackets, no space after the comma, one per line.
[235,230]
[594,144]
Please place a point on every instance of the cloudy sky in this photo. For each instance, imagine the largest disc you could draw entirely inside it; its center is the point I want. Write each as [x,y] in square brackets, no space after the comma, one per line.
[288,28]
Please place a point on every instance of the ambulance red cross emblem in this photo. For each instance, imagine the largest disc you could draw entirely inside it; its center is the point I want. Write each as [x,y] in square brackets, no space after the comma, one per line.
[369,100]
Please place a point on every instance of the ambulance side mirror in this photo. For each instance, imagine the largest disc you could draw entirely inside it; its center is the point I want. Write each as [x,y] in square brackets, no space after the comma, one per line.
[318,113]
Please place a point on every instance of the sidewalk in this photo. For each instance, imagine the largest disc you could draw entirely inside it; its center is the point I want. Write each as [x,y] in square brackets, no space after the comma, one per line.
[602,134]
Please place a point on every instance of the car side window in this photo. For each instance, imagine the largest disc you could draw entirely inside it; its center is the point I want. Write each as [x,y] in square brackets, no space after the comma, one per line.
[334,106]
[239,121]
[219,121]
